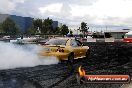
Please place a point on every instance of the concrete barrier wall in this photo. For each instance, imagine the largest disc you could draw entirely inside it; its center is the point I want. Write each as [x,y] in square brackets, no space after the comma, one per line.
[109,39]
[91,40]
[101,40]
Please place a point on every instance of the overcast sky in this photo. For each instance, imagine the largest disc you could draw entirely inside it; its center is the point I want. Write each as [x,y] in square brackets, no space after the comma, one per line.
[97,13]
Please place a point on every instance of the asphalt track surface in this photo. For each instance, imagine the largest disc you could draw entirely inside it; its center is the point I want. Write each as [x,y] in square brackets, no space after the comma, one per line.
[105,58]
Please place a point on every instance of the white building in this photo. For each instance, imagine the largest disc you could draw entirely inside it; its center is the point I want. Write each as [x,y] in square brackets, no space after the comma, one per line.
[117,34]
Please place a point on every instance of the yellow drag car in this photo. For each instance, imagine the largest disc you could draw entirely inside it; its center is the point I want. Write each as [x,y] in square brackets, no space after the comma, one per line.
[65,49]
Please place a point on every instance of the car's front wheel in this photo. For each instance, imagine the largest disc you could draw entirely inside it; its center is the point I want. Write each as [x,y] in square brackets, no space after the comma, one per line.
[71,58]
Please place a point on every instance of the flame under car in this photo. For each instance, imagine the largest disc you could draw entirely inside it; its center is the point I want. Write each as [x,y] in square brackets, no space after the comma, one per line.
[65,49]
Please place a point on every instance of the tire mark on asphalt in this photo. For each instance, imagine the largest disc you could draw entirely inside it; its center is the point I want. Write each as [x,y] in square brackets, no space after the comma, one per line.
[72,70]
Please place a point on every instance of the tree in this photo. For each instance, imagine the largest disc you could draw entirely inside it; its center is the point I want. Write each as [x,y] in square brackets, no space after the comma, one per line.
[71,33]
[95,35]
[47,27]
[37,23]
[57,30]
[64,30]
[84,28]
[31,30]
[9,26]
[1,29]
[108,35]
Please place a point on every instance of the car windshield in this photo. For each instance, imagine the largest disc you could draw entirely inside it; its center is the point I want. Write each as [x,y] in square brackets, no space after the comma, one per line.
[56,42]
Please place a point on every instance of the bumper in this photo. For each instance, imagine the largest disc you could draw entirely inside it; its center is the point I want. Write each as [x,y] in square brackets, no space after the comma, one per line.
[59,55]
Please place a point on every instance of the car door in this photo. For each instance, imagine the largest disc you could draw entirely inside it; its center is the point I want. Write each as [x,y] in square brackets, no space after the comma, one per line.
[77,49]
[82,48]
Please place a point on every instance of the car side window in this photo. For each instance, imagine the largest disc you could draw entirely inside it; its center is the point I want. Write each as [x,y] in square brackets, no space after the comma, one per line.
[73,43]
[79,43]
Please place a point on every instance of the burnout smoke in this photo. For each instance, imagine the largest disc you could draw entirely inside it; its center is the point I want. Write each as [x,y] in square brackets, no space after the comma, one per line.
[15,56]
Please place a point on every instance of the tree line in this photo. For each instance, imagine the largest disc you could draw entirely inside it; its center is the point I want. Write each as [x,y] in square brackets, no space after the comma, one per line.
[45,26]
[8,26]
[39,26]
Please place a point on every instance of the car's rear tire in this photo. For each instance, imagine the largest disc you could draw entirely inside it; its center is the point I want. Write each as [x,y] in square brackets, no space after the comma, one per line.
[87,53]
[71,58]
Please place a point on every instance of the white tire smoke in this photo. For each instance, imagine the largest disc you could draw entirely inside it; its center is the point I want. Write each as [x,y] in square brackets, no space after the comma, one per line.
[15,56]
